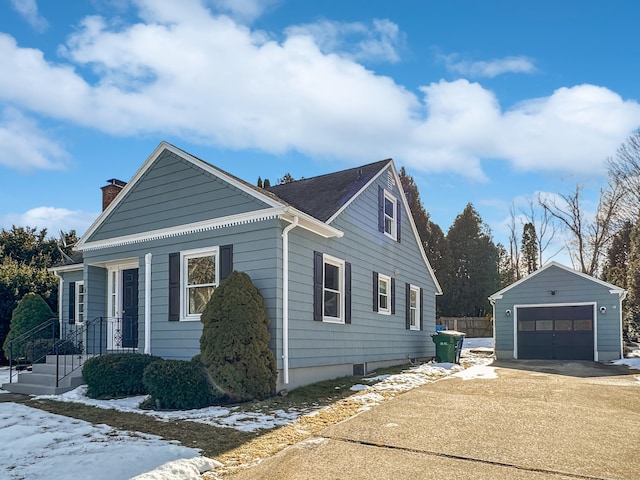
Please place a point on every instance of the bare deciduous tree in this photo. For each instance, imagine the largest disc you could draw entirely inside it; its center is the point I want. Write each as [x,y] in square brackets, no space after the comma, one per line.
[625,169]
[589,235]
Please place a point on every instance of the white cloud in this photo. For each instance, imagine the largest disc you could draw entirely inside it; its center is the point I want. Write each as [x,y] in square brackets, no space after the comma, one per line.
[244,10]
[187,73]
[357,41]
[488,69]
[24,146]
[52,218]
[28,9]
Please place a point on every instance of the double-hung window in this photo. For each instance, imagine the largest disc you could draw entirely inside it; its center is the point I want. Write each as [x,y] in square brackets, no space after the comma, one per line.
[414,307]
[389,214]
[390,209]
[384,294]
[333,289]
[200,273]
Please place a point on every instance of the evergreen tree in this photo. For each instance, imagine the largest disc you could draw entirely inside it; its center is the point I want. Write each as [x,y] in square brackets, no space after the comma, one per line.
[266,183]
[506,269]
[616,263]
[431,235]
[529,248]
[234,344]
[474,275]
[286,179]
[25,255]
[31,311]
[259,182]
[631,314]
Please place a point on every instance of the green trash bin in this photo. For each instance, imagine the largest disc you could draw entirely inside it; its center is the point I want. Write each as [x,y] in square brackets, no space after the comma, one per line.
[448,345]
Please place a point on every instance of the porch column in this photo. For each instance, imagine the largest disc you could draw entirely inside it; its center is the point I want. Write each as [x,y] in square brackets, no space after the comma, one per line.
[147,304]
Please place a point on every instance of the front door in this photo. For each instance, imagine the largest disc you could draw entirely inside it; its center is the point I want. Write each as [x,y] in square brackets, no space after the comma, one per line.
[130,308]
[122,327]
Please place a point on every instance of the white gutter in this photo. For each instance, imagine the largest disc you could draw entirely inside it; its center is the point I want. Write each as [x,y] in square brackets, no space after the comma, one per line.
[147,304]
[285,297]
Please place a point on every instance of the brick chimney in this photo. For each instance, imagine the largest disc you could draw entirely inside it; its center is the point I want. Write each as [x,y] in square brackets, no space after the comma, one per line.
[111,191]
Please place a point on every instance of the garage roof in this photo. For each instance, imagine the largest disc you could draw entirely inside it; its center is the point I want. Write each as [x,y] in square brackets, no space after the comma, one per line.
[613,289]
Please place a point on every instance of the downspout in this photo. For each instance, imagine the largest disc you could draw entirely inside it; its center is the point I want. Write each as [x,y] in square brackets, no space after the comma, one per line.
[147,304]
[285,298]
[60,290]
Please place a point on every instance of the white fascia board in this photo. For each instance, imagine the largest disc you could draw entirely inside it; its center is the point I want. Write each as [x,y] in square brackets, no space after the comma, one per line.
[186,156]
[228,221]
[66,268]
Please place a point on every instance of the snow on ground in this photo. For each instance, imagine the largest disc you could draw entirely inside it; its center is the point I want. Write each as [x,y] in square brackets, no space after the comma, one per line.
[39,445]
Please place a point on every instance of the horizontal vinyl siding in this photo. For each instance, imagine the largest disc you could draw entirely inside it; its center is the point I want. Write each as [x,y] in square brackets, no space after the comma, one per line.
[252,246]
[174,192]
[370,336]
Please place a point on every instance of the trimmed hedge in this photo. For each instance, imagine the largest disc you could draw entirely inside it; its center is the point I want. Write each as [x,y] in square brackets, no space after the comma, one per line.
[179,385]
[116,375]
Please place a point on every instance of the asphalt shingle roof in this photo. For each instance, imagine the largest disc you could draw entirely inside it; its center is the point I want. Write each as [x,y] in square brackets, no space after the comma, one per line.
[324,195]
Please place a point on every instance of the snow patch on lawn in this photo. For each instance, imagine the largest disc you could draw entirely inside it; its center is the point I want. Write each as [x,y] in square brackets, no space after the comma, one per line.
[41,445]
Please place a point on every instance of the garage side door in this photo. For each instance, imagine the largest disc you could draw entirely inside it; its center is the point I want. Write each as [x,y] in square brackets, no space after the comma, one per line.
[556,333]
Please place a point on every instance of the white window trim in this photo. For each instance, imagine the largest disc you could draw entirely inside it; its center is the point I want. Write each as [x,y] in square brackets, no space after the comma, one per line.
[394,221]
[77,302]
[184,256]
[386,279]
[416,289]
[328,259]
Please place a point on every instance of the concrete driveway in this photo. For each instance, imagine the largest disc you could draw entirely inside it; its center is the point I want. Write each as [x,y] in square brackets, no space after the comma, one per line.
[536,420]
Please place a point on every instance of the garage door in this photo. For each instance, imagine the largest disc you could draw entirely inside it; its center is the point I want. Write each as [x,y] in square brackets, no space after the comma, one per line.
[555,333]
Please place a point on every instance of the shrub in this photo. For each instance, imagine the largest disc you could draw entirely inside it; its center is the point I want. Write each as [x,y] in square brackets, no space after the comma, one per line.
[116,375]
[180,385]
[30,312]
[234,344]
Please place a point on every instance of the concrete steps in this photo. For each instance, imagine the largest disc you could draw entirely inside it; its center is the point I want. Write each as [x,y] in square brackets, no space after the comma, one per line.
[42,379]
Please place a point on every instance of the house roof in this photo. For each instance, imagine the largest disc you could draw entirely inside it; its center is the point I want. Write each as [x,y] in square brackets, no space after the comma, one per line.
[322,196]
[613,289]
[312,203]
[73,262]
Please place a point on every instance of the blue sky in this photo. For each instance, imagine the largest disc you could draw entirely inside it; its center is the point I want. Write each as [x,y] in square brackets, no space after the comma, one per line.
[485,102]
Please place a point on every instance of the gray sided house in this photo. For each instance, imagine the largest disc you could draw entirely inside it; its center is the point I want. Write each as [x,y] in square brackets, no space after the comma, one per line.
[337,258]
[558,313]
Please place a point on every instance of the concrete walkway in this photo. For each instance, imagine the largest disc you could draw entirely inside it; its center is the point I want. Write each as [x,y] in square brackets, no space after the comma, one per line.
[557,420]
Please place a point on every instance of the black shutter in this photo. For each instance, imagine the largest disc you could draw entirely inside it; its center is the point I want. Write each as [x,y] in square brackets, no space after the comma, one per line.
[72,303]
[174,287]
[398,220]
[375,291]
[393,296]
[407,309]
[380,209]
[421,316]
[318,274]
[347,292]
[226,261]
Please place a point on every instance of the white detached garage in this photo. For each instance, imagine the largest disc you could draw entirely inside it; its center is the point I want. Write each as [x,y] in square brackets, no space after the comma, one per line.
[557,313]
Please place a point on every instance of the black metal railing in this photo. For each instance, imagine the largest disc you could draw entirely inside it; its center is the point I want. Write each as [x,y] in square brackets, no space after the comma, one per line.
[91,339]
[32,346]
[75,344]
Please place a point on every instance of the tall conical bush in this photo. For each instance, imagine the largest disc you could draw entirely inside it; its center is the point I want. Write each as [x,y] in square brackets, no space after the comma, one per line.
[30,312]
[235,340]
